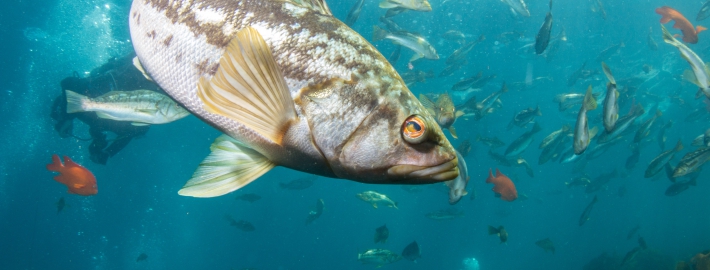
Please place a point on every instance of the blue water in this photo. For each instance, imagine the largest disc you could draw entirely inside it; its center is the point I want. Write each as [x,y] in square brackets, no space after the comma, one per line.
[138,210]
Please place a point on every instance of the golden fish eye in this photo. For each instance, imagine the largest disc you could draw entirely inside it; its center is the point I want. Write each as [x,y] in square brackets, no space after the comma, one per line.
[414,129]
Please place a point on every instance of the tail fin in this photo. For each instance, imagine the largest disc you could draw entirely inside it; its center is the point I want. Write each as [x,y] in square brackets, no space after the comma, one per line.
[678,146]
[56,164]
[378,33]
[607,72]
[590,103]
[700,29]
[668,38]
[75,102]
[504,88]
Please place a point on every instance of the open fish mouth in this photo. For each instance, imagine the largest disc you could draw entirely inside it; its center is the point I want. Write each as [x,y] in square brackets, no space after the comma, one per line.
[413,174]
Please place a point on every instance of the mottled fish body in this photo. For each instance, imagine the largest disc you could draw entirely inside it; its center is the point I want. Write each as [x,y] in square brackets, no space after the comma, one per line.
[611,101]
[378,257]
[290,86]
[141,107]
[692,162]
[660,161]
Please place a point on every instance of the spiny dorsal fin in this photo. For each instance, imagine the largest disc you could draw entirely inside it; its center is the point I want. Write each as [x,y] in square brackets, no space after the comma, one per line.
[316,5]
[249,87]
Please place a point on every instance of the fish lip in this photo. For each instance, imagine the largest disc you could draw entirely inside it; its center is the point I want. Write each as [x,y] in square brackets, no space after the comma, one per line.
[414,174]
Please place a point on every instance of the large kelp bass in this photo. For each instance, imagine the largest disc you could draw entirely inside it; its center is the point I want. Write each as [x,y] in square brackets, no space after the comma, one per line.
[289,85]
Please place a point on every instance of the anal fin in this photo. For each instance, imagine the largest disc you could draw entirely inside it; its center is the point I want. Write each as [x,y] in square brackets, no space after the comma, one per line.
[230,166]
[249,87]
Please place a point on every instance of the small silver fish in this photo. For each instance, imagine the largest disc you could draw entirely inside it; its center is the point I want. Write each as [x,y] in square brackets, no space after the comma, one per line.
[378,256]
[141,107]
[611,101]
[416,43]
[374,198]
[417,5]
[582,136]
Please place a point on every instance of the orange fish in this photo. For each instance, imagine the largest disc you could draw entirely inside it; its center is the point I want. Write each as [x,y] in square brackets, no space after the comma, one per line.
[503,186]
[78,179]
[690,34]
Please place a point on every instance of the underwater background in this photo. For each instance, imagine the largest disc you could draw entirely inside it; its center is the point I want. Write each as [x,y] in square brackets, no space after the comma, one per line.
[138,211]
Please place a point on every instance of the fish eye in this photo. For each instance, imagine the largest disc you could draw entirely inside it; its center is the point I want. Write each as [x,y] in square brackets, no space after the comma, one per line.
[414,129]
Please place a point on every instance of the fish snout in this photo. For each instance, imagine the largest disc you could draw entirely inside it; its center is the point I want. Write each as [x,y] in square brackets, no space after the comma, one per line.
[415,174]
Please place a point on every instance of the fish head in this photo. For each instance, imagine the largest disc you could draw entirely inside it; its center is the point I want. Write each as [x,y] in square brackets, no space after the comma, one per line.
[397,142]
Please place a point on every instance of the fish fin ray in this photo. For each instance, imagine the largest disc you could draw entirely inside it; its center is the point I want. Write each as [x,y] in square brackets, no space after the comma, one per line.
[689,76]
[230,166]
[75,102]
[452,130]
[249,87]
[427,103]
[56,165]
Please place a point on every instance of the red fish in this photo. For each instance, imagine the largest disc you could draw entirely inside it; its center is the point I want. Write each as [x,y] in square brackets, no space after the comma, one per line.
[78,179]
[503,186]
[690,34]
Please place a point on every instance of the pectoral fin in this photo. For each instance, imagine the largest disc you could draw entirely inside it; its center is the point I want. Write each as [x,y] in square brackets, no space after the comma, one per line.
[249,87]
[230,166]
[453,132]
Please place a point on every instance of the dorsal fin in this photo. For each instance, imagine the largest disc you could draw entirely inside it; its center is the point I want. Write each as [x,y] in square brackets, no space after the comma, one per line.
[316,5]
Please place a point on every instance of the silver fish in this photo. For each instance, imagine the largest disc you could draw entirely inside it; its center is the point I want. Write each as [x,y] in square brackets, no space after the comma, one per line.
[457,187]
[378,256]
[354,13]
[582,136]
[414,42]
[543,35]
[701,74]
[692,162]
[290,86]
[611,101]
[374,198]
[522,142]
[658,162]
[622,125]
[140,107]
[517,7]
[418,5]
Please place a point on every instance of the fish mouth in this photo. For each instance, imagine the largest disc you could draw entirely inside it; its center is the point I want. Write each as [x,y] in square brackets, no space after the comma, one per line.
[413,174]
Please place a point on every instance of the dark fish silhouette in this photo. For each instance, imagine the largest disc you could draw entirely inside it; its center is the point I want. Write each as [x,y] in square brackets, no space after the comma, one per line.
[412,252]
[60,205]
[587,211]
[142,257]
[546,244]
[500,231]
[354,13]
[315,214]
[381,234]
[240,224]
[543,36]
[249,197]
